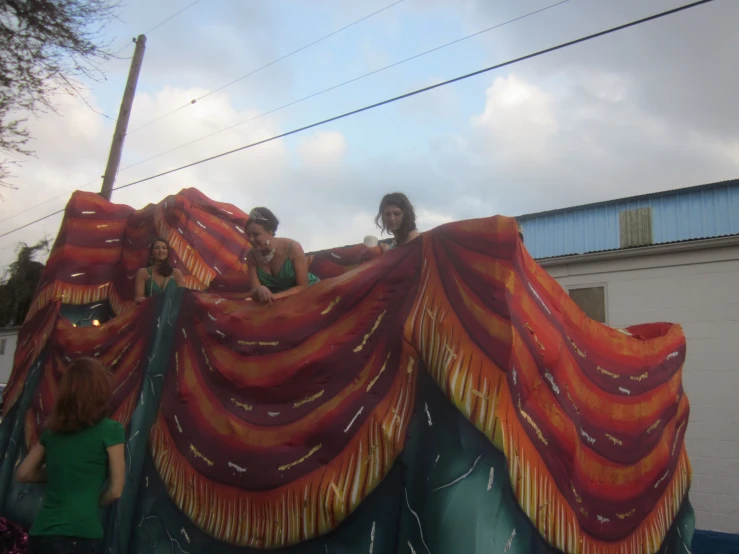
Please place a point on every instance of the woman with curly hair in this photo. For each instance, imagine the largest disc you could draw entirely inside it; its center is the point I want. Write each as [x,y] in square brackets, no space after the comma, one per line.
[79,450]
[397,217]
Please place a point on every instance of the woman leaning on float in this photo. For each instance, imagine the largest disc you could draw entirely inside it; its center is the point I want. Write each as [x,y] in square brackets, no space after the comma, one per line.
[277,266]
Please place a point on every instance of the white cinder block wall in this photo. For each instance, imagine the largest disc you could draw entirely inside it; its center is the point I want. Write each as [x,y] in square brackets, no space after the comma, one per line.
[699,289]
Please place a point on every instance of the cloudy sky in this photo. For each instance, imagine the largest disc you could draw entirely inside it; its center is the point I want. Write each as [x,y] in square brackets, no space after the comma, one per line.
[647,109]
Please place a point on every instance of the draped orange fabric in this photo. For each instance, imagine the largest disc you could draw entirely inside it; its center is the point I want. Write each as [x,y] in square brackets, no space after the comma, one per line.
[276,422]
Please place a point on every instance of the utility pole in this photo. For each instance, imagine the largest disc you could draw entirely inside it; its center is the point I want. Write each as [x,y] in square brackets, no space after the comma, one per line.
[121,126]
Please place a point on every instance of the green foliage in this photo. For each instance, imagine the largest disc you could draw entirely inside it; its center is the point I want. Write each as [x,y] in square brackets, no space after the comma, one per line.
[19,283]
[46,46]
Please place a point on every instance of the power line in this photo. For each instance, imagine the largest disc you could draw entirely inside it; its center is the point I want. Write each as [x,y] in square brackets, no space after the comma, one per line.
[31,208]
[126,47]
[403,96]
[115,54]
[106,116]
[171,17]
[334,87]
[200,98]
[164,21]
[265,66]
[305,98]
[302,48]
[31,223]
[425,89]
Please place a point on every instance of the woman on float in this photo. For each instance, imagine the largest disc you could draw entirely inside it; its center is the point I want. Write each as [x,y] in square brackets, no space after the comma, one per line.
[78,452]
[277,266]
[159,274]
[397,217]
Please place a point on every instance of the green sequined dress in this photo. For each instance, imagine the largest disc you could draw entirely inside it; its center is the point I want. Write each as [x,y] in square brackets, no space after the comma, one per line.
[152,287]
[285,278]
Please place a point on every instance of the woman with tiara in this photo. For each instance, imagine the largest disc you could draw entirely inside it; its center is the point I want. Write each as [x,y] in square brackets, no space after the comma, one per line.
[397,217]
[277,266]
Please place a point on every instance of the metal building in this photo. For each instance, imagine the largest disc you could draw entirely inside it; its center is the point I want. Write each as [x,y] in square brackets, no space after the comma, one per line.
[700,212]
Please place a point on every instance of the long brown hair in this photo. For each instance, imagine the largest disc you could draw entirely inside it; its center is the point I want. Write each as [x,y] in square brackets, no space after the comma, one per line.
[165,268]
[409,215]
[83,397]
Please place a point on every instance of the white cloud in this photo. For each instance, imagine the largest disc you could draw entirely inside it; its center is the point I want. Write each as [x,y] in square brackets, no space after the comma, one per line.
[428,219]
[74,148]
[519,117]
[322,148]
[532,146]
[583,140]
[621,116]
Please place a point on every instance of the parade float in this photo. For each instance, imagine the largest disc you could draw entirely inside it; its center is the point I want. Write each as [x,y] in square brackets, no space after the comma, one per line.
[445,397]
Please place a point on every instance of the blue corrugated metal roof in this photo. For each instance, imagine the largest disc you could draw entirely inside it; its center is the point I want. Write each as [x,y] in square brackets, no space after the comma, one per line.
[685,214]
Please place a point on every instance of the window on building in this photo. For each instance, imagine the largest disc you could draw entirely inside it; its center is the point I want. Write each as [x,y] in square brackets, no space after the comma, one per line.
[635,227]
[2,347]
[592,301]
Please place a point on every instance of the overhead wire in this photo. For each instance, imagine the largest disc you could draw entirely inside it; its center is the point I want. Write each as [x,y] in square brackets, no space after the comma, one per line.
[222,87]
[163,22]
[106,116]
[126,47]
[376,12]
[319,93]
[171,17]
[115,54]
[519,59]
[265,66]
[426,89]
[343,84]
[31,208]
[32,223]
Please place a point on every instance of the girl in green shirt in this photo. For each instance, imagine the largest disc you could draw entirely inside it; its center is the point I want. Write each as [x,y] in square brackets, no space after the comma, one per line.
[78,451]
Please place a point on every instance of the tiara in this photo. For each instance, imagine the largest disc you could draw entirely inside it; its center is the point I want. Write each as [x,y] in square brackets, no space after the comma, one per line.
[256,214]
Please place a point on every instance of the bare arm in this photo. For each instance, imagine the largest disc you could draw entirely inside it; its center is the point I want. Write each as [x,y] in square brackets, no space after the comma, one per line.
[140,288]
[116,475]
[257,291]
[251,266]
[178,277]
[32,469]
